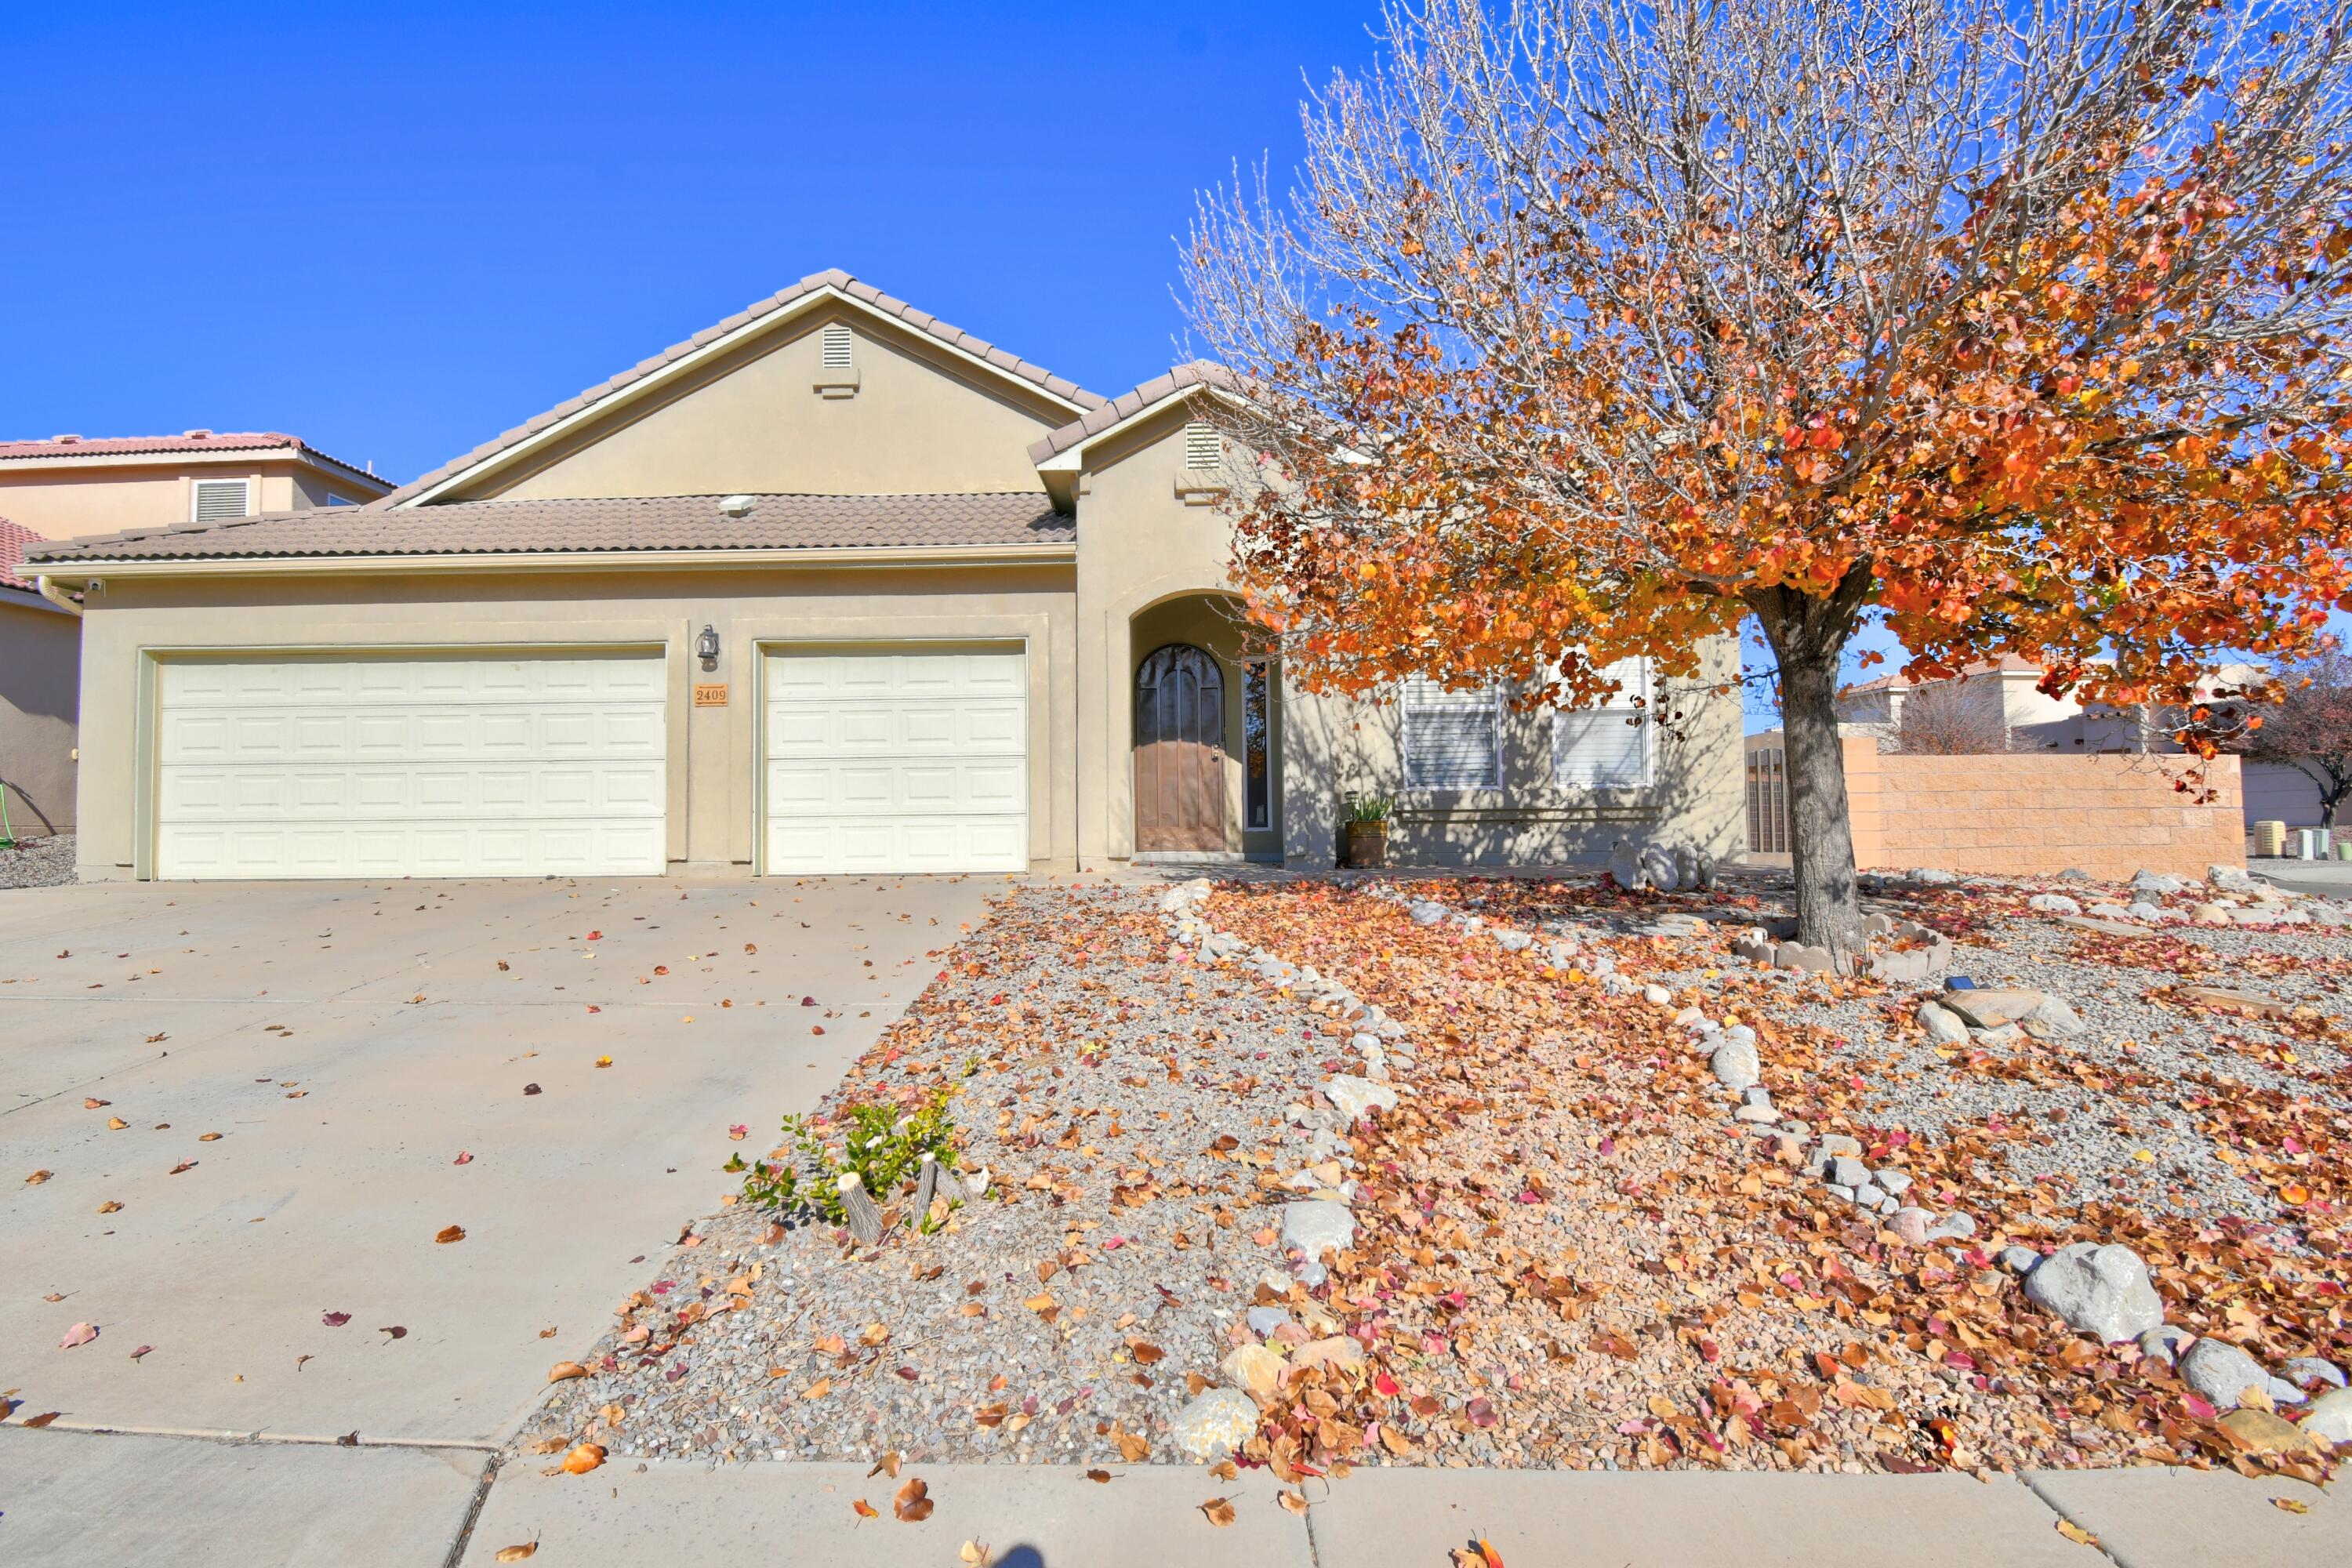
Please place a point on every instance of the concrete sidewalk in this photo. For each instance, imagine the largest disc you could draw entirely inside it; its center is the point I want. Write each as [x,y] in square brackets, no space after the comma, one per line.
[1148,1518]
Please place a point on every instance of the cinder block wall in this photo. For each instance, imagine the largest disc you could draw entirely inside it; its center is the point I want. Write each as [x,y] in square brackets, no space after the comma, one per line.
[2109,816]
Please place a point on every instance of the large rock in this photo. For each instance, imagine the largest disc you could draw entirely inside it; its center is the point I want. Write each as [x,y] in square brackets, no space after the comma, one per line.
[1316,1226]
[2234,879]
[1425,912]
[2054,1020]
[1253,1369]
[1735,1064]
[1339,1351]
[1353,1096]
[2054,904]
[1943,1026]
[1219,1421]
[2221,1371]
[1990,1009]
[2102,1290]
[1625,866]
[1658,865]
[2330,1416]
[1693,867]
[2156,885]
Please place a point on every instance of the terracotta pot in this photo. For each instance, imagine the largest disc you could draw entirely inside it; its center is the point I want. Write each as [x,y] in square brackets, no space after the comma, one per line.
[1368,845]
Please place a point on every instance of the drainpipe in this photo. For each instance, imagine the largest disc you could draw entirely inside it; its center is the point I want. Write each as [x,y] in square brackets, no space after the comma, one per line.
[49,593]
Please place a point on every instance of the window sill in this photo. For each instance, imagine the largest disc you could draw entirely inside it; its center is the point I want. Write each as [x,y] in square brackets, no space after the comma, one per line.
[1199,489]
[836,383]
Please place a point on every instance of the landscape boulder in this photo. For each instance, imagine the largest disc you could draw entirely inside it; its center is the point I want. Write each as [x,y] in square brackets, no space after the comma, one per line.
[2103,1290]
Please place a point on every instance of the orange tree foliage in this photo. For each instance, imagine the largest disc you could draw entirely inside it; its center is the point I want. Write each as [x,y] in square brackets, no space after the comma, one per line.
[1590,335]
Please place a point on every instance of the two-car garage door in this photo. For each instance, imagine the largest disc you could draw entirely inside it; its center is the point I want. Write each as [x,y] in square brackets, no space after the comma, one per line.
[397,766]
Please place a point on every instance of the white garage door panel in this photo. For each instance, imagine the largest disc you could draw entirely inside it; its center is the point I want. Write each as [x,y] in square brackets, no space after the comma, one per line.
[387,766]
[896,762]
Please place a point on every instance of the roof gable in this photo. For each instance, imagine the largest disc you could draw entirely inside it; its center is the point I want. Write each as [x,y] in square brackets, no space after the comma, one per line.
[695,365]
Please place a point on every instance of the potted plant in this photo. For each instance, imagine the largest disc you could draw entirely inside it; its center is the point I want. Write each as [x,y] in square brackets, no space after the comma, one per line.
[1367,829]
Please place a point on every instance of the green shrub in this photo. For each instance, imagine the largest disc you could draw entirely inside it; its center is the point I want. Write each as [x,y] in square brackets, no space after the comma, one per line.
[882,1143]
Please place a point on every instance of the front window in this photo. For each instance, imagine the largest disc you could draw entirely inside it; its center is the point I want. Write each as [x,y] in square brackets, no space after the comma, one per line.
[1453,740]
[1606,747]
[1257,739]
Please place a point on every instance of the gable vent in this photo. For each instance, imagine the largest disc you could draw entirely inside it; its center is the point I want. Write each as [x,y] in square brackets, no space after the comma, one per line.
[1202,448]
[832,347]
[218,498]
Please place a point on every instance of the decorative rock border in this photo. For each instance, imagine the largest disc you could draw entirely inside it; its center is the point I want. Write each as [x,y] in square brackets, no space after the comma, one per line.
[1773,944]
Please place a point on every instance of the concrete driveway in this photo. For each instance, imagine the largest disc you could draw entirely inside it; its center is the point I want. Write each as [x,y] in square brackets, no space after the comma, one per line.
[299,1068]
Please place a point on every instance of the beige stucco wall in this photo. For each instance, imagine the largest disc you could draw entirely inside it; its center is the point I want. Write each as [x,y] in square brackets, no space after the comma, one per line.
[1140,546]
[107,499]
[713,763]
[40,655]
[919,423]
[1339,745]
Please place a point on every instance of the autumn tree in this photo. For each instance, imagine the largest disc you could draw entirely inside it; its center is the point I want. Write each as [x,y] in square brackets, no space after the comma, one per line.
[2310,727]
[1590,330]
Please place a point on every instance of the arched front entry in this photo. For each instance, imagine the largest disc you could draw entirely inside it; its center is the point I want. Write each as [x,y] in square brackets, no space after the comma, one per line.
[1179,763]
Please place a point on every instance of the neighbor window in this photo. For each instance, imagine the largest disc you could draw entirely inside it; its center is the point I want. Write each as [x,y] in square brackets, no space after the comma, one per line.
[335,499]
[1258,740]
[1606,748]
[217,498]
[832,346]
[1453,740]
[1203,449]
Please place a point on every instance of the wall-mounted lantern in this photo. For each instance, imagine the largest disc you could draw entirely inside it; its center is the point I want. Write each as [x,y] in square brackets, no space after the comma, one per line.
[706,646]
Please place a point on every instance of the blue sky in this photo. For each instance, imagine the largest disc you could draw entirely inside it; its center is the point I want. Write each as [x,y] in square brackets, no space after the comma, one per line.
[398,230]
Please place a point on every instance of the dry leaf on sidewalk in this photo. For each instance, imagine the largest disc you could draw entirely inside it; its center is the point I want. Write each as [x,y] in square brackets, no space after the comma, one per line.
[1218,1512]
[2076,1533]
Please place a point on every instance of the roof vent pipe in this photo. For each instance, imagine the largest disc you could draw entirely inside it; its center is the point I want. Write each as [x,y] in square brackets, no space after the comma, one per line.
[736,506]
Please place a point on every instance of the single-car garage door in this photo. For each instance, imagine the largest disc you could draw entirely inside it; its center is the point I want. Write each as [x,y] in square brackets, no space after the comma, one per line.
[896,760]
[401,765]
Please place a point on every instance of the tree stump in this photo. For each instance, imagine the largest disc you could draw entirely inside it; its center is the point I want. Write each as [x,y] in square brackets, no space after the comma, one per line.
[927,1187]
[865,1216]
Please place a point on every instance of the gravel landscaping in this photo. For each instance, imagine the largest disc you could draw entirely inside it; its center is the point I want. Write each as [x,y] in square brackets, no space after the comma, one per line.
[44,862]
[1584,1185]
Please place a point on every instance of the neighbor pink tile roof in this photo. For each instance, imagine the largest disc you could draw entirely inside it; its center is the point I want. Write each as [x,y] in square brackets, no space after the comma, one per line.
[604,524]
[15,538]
[1181,380]
[67,447]
[865,293]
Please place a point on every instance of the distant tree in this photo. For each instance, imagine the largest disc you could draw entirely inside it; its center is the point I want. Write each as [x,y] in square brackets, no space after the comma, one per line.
[2310,729]
[1591,327]
[1952,717]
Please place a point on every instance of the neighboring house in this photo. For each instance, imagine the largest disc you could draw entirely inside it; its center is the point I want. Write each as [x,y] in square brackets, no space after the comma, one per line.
[68,487]
[2035,720]
[40,686]
[2038,721]
[831,587]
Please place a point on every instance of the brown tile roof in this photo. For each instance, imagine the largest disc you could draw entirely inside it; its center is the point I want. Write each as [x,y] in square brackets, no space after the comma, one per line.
[67,447]
[604,524]
[14,538]
[836,279]
[1184,379]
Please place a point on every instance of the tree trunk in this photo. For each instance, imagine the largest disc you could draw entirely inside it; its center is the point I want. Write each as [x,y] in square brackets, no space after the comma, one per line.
[1808,636]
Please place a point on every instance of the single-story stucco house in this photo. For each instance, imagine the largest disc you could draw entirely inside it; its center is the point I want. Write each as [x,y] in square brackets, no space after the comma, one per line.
[832,587]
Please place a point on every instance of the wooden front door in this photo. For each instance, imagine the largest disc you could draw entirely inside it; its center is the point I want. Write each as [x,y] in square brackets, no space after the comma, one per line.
[1180,755]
